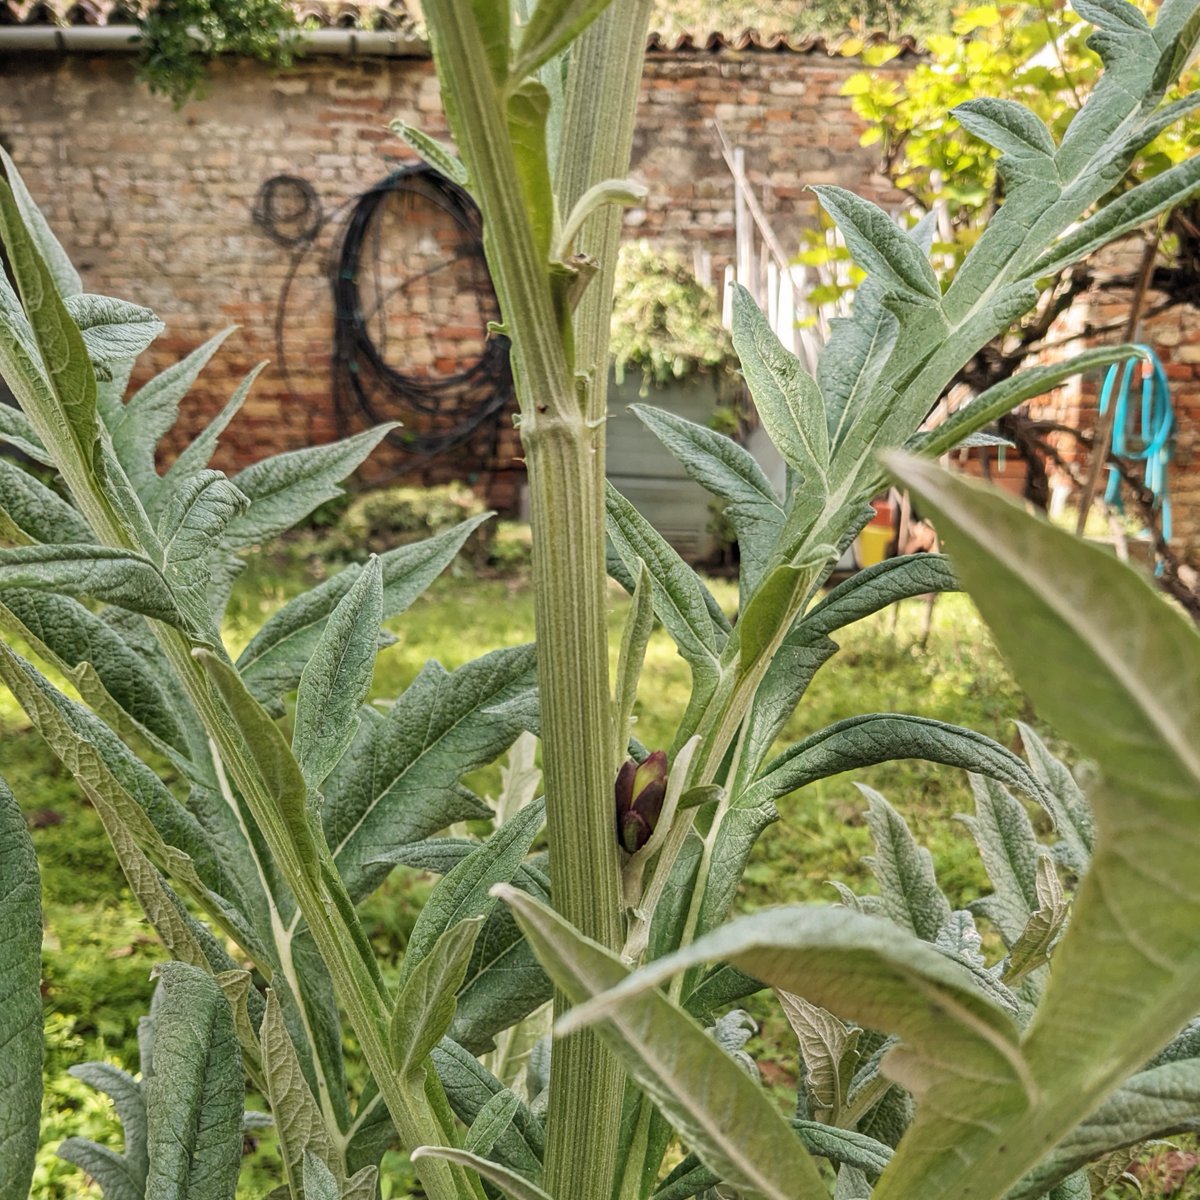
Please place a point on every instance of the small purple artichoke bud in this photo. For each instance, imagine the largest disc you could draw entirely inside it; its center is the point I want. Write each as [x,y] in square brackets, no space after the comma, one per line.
[640,790]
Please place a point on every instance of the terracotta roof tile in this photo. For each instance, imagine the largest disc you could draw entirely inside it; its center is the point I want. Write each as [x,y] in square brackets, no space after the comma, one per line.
[752,40]
[393,15]
[325,14]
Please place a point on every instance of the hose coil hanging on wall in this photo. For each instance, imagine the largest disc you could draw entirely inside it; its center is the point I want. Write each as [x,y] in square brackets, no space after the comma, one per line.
[414,213]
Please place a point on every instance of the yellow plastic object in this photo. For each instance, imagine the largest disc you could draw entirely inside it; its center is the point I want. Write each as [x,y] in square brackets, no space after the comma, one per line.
[872,544]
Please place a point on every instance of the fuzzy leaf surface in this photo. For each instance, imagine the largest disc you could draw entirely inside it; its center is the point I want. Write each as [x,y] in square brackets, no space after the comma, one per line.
[712,1102]
[399,780]
[338,676]
[1070,620]
[20,1000]
[275,658]
[111,576]
[731,473]
[287,487]
[196,1095]
[113,330]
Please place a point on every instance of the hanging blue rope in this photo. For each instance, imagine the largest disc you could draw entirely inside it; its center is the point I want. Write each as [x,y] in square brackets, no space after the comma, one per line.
[1141,433]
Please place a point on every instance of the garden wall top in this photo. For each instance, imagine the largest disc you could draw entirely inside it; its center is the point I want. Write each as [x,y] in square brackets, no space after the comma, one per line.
[393,16]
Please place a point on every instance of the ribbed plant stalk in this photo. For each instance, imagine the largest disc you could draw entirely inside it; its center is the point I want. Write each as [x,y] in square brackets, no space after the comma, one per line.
[586,1084]
[562,400]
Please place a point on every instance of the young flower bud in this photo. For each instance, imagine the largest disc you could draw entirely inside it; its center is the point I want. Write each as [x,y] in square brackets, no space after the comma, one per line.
[639,795]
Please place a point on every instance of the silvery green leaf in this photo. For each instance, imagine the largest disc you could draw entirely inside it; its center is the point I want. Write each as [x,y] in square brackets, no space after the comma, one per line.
[287,487]
[740,828]
[1009,849]
[298,1120]
[635,636]
[852,1184]
[151,412]
[493,1119]
[1070,620]
[15,427]
[720,987]
[853,359]
[190,529]
[729,472]
[1067,804]
[845,1146]
[128,1099]
[1122,215]
[113,330]
[904,869]
[1155,1103]
[552,27]
[691,1177]
[112,576]
[116,780]
[195,456]
[1033,948]
[50,371]
[39,511]
[951,1033]
[959,937]
[808,646]
[425,1004]
[195,1097]
[105,1167]
[828,1052]
[1003,397]
[399,780]
[786,396]
[318,1180]
[716,1108]
[880,247]
[884,737]
[436,153]
[681,601]
[1003,304]
[86,648]
[66,278]
[960,940]
[1011,127]
[527,112]
[771,610]
[621,192]
[363,1184]
[470,1087]
[504,982]
[1186,1044]
[20,1000]
[466,891]
[514,1186]
[120,1176]
[870,906]
[272,663]
[338,676]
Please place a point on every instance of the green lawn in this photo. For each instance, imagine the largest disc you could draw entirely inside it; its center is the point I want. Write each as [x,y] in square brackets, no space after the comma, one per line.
[99,952]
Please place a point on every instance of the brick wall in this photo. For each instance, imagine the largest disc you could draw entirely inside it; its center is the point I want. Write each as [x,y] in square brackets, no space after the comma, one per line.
[155,205]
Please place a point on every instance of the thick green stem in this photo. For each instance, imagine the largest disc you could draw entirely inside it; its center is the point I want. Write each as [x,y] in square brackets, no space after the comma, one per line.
[562,432]
[568,549]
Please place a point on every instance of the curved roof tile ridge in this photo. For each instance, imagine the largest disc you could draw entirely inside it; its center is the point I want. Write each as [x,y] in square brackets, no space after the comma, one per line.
[395,16]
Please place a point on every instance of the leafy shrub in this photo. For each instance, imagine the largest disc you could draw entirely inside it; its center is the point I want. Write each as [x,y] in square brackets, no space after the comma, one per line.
[665,323]
[385,518]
